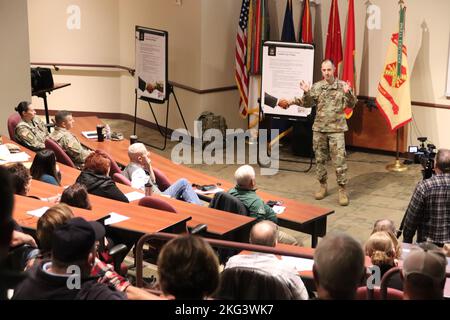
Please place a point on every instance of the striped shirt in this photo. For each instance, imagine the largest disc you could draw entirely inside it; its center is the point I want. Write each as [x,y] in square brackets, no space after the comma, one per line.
[428,212]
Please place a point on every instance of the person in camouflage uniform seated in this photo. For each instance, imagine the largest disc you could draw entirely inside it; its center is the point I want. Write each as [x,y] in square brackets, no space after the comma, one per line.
[68,142]
[331,97]
[31,131]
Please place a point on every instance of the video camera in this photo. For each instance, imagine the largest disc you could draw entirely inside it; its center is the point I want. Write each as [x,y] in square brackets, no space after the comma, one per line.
[425,156]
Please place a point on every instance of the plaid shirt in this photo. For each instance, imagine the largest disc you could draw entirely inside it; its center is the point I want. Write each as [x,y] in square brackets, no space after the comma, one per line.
[429,211]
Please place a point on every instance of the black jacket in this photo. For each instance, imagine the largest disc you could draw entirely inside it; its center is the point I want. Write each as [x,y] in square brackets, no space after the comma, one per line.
[101,185]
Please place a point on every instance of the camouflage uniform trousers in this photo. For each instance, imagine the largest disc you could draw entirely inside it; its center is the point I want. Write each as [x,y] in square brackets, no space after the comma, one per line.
[326,144]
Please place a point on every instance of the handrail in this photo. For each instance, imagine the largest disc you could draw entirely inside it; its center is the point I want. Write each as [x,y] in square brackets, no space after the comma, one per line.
[139,255]
[56,64]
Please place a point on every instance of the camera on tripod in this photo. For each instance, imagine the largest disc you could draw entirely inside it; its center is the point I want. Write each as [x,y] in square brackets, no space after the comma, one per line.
[425,156]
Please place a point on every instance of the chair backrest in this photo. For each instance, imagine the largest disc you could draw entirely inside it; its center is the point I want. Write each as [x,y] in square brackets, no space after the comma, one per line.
[161,179]
[364,293]
[120,178]
[61,155]
[241,283]
[13,120]
[226,202]
[156,203]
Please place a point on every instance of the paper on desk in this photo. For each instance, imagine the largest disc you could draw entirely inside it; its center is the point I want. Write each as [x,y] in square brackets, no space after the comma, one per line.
[6,156]
[132,196]
[212,191]
[278,209]
[300,264]
[89,134]
[115,218]
[38,212]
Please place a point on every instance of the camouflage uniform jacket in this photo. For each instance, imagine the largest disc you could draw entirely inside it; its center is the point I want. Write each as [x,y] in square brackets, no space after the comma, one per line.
[331,102]
[31,134]
[71,145]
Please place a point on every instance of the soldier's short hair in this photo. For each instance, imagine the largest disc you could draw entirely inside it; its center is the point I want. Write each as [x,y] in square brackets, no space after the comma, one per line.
[22,107]
[330,61]
[244,175]
[61,116]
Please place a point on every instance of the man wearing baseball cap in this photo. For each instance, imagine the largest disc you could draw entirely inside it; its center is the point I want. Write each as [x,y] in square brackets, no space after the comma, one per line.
[66,276]
[424,273]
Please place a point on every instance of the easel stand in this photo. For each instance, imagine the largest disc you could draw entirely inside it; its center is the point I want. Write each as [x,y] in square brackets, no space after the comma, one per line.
[281,159]
[162,130]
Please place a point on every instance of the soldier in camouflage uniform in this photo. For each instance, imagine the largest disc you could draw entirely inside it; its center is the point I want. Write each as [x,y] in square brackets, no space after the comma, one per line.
[331,97]
[31,131]
[68,142]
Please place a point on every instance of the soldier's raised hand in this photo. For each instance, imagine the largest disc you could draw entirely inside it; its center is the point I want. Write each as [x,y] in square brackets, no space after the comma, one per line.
[305,86]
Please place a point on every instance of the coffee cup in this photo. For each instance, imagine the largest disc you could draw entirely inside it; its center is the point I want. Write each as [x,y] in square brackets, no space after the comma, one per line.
[100,136]
[133,139]
[148,189]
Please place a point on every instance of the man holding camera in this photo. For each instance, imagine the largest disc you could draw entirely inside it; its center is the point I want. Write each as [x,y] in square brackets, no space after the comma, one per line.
[428,212]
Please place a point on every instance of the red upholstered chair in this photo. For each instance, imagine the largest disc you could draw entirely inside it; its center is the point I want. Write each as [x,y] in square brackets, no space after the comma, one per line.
[156,203]
[161,179]
[61,155]
[120,178]
[364,293]
[13,120]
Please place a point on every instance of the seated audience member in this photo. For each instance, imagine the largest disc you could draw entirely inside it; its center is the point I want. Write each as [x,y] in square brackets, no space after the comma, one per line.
[428,209]
[8,280]
[424,273]
[21,178]
[384,225]
[95,177]
[140,172]
[188,268]
[245,191]
[57,216]
[44,167]
[338,267]
[76,195]
[73,244]
[31,131]
[68,142]
[384,251]
[265,233]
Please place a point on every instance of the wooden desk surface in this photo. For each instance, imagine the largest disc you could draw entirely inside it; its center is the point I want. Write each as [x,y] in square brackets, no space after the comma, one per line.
[142,219]
[295,213]
[23,204]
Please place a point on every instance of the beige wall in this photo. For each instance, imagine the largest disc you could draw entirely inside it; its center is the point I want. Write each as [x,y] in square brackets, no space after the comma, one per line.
[201,54]
[14,58]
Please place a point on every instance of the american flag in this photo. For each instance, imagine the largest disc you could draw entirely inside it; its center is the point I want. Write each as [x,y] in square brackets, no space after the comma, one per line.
[241,73]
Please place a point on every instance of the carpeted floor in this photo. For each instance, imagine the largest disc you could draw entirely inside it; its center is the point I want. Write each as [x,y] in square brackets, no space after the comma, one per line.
[374,192]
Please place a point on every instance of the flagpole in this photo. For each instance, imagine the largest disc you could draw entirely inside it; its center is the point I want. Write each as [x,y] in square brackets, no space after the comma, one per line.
[397,166]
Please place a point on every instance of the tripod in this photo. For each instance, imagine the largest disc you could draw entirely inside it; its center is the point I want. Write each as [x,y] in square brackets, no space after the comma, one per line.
[165,131]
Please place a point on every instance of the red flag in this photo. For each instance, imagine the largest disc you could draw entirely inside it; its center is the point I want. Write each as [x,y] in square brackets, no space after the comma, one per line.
[306,24]
[241,73]
[348,74]
[333,50]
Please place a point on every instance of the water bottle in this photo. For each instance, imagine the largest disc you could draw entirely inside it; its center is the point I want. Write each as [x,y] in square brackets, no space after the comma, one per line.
[108,132]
